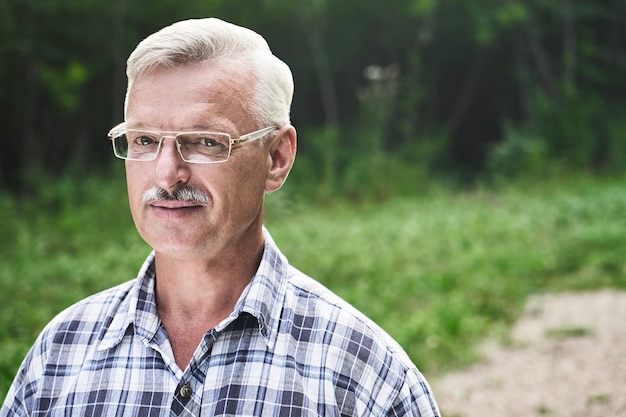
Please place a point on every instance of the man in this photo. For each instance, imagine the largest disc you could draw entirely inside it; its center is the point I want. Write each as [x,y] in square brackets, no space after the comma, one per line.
[217,322]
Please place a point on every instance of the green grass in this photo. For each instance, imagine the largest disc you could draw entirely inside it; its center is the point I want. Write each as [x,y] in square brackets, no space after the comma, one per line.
[439,271]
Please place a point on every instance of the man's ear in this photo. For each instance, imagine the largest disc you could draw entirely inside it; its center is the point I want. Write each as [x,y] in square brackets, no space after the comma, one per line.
[282,154]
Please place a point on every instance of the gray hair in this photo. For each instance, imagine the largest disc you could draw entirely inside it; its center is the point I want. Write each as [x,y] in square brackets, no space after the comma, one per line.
[198,40]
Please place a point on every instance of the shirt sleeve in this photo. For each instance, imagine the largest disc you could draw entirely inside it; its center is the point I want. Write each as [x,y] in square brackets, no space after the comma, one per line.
[415,397]
[22,389]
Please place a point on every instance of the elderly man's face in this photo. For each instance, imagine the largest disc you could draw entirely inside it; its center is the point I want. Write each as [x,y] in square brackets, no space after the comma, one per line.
[199,97]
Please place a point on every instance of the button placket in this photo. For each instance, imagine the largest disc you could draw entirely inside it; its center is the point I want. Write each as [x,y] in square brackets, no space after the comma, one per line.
[188,395]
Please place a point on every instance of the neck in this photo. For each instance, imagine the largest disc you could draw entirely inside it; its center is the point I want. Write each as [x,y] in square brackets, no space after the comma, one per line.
[204,288]
[195,295]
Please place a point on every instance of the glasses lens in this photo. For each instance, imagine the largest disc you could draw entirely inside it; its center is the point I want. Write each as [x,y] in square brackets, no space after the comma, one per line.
[120,146]
[199,147]
[204,147]
[136,145]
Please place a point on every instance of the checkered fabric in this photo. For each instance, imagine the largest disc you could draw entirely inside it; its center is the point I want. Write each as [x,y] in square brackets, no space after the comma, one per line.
[290,348]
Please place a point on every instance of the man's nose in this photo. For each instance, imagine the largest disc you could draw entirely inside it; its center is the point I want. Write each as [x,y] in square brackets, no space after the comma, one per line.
[171,170]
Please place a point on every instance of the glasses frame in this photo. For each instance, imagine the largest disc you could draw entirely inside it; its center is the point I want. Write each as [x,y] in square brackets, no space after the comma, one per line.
[247,138]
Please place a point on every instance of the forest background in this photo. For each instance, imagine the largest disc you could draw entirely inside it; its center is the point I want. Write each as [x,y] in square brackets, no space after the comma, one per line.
[387,95]
[472,151]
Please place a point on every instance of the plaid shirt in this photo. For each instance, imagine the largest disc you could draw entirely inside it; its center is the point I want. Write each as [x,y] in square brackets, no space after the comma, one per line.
[290,348]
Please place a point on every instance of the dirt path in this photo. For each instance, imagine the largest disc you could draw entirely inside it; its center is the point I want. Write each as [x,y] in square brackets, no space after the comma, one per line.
[567,359]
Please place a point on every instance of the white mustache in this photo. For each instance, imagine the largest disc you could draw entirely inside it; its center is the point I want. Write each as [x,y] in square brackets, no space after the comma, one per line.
[181,194]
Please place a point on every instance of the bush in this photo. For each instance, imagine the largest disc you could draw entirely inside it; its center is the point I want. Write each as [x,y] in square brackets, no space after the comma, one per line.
[518,155]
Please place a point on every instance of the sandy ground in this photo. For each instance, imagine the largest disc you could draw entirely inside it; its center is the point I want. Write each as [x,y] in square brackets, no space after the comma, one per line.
[567,359]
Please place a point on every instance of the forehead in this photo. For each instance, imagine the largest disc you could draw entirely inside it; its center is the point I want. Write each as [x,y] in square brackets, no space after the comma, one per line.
[204,94]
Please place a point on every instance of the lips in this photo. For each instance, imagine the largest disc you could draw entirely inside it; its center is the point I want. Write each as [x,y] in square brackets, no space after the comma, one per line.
[174,204]
[174,209]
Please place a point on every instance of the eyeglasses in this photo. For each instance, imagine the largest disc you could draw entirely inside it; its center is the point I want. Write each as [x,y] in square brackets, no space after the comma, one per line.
[194,147]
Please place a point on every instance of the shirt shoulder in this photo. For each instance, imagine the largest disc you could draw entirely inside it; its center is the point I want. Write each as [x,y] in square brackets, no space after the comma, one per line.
[82,326]
[323,308]
[95,311]
[65,342]
[338,341]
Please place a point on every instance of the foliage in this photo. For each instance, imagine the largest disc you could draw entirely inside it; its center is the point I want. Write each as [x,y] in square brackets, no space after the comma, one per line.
[359,168]
[454,70]
[519,155]
[439,271]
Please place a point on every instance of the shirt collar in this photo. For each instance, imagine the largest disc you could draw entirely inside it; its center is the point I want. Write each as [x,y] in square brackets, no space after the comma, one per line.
[137,309]
[262,298]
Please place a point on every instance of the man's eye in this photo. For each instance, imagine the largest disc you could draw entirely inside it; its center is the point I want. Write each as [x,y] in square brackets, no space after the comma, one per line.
[209,142]
[145,141]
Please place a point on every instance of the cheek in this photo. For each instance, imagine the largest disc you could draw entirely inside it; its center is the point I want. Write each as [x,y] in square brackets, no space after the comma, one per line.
[135,184]
[245,185]
[253,177]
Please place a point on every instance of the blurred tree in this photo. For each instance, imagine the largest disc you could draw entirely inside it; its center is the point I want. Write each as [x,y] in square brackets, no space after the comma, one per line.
[50,52]
[462,72]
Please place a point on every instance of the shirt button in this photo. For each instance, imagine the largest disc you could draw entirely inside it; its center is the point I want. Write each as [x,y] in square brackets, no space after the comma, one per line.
[185,391]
